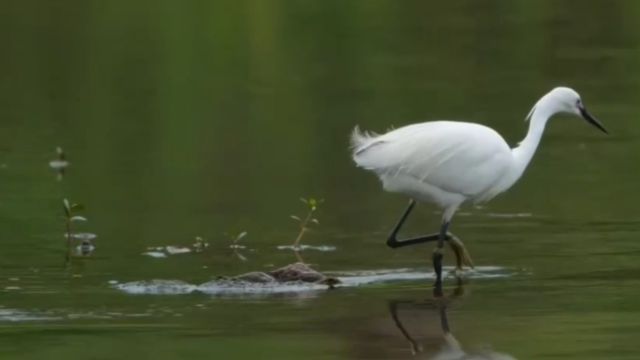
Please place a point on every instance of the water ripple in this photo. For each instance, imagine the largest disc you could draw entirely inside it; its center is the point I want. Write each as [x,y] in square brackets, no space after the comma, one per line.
[347,279]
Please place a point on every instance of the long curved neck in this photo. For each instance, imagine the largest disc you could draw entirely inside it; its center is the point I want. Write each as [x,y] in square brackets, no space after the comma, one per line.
[523,153]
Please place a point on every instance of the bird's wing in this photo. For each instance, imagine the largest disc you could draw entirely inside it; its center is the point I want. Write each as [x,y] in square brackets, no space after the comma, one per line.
[457,157]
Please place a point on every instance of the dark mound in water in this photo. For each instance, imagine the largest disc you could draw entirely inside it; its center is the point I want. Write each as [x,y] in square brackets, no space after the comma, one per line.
[296,272]
[293,279]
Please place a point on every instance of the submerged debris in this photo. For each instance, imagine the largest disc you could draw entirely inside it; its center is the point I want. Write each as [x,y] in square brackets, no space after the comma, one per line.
[158,287]
[265,283]
[255,277]
[297,272]
[293,273]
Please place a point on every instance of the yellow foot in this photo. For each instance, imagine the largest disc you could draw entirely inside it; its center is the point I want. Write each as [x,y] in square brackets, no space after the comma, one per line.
[462,255]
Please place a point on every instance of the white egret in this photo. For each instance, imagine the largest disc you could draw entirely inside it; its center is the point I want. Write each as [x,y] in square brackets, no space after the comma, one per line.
[448,163]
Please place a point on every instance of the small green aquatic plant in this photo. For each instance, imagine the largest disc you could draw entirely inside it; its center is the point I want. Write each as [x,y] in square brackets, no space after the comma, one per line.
[70,212]
[312,206]
[236,246]
[235,240]
[200,244]
[60,164]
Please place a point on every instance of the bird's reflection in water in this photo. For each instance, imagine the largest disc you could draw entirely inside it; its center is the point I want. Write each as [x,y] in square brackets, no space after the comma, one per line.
[425,342]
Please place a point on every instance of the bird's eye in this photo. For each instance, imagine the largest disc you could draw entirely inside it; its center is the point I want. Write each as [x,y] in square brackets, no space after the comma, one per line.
[578,103]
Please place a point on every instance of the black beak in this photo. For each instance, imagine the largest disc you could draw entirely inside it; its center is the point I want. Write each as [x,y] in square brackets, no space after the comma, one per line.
[591,120]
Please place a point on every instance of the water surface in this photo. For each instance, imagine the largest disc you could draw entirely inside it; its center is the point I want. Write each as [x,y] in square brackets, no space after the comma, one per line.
[212,118]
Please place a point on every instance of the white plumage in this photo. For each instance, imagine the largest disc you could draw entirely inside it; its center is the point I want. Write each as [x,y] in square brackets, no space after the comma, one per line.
[449,162]
[440,161]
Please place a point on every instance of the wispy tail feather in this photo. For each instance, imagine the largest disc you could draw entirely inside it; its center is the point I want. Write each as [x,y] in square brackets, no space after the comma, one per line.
[360,140]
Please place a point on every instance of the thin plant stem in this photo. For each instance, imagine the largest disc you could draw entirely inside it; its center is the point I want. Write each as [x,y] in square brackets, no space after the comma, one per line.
[303,229]
[69,240]
[298,256]
[69,234]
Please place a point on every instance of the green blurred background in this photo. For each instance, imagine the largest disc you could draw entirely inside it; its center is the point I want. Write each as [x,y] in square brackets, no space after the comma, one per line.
[209,118]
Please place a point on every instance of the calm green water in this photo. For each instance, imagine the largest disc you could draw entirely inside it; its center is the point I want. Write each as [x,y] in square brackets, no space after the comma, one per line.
[213,118]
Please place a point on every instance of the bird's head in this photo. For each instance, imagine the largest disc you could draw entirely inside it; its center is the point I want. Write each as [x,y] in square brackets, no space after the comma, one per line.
[565,100]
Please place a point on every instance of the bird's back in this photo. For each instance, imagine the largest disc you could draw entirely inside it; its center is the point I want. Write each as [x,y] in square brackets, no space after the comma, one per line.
[460,158]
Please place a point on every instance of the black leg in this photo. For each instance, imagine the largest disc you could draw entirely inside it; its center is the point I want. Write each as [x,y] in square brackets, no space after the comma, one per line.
[437,258]
[462,257]
[441,304]
[393,308]
[393,241]
[444,320]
